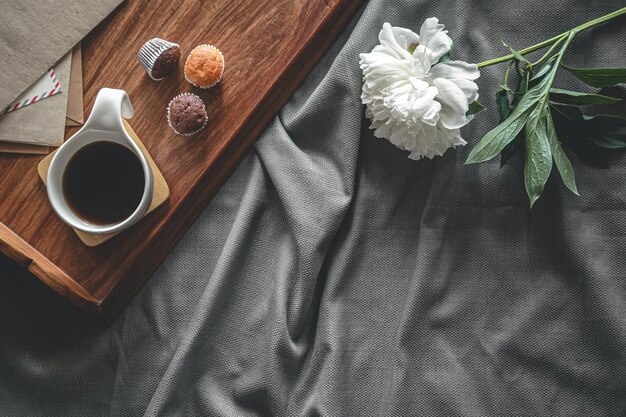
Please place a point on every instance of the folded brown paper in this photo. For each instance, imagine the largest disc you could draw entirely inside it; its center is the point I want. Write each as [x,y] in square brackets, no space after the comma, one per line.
[41,123]
[23,148]
[75,115]
[35,34]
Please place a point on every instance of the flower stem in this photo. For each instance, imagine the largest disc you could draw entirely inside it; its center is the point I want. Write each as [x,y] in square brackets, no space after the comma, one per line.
[506,74]
[556,38]
[569,38]
[547,54]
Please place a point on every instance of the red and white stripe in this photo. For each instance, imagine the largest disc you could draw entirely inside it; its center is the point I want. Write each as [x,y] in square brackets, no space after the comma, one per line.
[40,96]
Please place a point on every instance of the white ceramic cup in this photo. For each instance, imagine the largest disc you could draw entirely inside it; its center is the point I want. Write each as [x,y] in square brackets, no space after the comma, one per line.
[103,125]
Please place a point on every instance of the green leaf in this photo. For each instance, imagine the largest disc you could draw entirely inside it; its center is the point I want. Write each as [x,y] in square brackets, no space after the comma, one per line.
[515,53]
[568,113]
[474,107]
[599,77]
[522,87]
[503,104]
[571,131]
[578,98]
[563,164]
[511,149]
[543,71]
[506,88]
[504,109]
[538,163]
[500,136]
[588,135]
[606,131]
[606,119]
[525,82]
[497,138]
[609,141]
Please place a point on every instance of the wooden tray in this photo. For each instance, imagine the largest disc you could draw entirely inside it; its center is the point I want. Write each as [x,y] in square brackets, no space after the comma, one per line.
[269,47]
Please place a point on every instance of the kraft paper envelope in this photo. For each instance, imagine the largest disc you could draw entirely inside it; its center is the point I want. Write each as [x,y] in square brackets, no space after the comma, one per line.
[75,115]
[20,148]
[46,86]
[42,123]
[35,34]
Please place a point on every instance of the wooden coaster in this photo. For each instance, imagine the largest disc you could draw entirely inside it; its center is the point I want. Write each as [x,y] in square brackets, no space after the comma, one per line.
[160,194]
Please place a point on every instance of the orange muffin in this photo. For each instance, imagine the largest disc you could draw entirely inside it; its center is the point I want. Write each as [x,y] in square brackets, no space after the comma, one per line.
[204,66]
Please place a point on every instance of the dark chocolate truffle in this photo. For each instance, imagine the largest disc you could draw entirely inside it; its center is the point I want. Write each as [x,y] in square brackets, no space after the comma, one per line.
[166,63]
[186,114]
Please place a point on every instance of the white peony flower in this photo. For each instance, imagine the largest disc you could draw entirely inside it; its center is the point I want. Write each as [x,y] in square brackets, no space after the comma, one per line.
[413,101]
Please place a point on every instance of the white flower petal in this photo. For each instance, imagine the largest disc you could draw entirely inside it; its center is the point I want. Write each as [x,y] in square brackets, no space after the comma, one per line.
[383,131]
[421,60]
[469,88]
[423,102]
[455,69]
[431,117]
[454,104]
[417,107]
[390,45]
[430,28]
[405,37]
[419,85]
[435,39]
[438,46]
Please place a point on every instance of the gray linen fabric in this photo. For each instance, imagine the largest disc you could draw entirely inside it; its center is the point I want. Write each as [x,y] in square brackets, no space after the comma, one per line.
[332,276]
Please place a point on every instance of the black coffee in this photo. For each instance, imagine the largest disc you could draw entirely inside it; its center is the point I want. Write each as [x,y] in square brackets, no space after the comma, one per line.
[103,183]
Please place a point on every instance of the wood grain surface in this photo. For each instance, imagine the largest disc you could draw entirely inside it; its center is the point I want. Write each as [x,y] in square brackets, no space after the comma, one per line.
[269,47]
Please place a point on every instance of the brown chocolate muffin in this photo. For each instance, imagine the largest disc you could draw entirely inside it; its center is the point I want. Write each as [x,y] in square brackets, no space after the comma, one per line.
[186,114]
[166,63]
[159,58]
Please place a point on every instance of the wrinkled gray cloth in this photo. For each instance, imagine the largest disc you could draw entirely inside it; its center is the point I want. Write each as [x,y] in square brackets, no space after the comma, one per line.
[332,276]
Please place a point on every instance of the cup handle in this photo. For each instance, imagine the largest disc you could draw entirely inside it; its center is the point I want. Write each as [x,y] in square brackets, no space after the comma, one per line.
[110,106]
